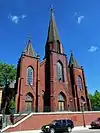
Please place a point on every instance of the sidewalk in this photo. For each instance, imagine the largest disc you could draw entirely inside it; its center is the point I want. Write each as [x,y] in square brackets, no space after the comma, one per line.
[78,128]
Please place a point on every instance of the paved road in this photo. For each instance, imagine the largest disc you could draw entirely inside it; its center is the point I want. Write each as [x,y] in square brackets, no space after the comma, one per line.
[88,131]
[78,131]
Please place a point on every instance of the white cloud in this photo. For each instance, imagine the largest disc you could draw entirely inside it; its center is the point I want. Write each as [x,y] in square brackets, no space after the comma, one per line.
[93,49]
[23,16]
[79,19]
[15,19]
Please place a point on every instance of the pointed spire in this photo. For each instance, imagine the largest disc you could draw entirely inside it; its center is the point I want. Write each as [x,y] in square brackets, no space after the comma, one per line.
[52,31]
[73,62]
[29,49]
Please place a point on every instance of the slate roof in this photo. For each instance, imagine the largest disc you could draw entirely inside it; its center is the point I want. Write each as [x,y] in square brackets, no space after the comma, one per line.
[29,49]
[52,30]
[73,61]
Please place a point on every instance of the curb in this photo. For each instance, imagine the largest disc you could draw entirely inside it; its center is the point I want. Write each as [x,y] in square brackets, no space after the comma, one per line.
[78,128]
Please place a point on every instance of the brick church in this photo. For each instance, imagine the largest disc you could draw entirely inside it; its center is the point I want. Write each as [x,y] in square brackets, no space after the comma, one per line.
[53,84]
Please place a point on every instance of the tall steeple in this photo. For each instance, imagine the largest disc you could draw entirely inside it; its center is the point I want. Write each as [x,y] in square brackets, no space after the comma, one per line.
[53,41]
[29,49]
[73,62]
[52,31]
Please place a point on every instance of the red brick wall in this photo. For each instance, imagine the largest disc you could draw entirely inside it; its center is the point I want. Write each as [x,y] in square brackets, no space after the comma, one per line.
[27,61]
[42,86]
[53,85]
[78,72]
[37,120]
[57,87]
[42,75]
[80,92]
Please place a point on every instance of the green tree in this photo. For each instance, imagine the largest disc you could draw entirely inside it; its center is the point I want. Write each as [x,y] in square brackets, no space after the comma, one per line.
[11,106]
[7,74]
[95,101]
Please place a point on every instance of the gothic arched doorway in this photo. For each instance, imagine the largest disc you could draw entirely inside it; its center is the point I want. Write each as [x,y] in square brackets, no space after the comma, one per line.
[29,102]
[61,102]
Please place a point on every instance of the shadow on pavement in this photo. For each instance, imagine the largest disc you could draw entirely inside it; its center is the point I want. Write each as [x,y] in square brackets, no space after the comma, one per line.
[94,128]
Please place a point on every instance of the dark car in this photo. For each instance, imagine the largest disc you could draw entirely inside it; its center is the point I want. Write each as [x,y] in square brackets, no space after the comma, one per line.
[58,126]
[95,123]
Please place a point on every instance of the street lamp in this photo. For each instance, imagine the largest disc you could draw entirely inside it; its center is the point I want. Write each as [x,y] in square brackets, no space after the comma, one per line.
[82,106]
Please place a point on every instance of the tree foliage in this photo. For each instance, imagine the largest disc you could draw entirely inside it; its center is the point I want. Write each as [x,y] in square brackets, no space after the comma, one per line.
[7,73]
[95,100]
[11,106]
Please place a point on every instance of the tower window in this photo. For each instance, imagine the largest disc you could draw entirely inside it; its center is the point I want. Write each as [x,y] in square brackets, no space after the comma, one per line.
[29,76]
[58,47]
[60,76]
[79,82]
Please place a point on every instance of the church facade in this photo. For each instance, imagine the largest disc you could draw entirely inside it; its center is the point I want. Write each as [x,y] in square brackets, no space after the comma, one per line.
[53,84]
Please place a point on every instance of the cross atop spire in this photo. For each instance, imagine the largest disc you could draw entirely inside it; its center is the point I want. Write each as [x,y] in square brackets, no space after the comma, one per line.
[52,8]
[52,31]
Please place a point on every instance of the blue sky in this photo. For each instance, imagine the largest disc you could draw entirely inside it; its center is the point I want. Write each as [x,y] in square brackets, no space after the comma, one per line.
[78,23]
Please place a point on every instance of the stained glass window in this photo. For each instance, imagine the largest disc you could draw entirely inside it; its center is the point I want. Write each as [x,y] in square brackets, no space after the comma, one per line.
[29,76]
[60,76]
[61,102]
[79,82]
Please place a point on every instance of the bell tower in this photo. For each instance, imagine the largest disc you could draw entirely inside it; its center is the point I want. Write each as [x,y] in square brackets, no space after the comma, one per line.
[28,81]
[57,80]
[79,87]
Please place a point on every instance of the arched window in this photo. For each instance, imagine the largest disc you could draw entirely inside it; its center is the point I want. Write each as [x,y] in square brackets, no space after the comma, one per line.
[61,102]
[82,99]
[61,97]
[60,76]
[79,82]
[29,76]
[58,47]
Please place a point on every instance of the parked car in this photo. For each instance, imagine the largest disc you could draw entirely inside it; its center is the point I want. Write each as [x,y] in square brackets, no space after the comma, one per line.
[95,123]
[58,126]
